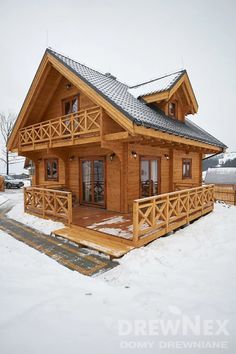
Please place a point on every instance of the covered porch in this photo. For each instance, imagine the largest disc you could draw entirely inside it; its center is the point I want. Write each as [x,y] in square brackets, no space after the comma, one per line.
[117,233]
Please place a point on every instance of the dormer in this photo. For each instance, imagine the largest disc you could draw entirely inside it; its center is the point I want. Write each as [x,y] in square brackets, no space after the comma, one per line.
[171,93]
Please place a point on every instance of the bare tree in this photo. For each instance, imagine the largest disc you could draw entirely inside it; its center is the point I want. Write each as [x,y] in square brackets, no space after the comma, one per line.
[6,126]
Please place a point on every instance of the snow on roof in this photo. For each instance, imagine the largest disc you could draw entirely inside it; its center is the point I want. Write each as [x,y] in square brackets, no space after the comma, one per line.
[160,84]
[227,156]
[224,175]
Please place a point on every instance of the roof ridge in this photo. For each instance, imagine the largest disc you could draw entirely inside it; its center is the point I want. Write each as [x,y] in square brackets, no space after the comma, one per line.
[50,50]
[158,78]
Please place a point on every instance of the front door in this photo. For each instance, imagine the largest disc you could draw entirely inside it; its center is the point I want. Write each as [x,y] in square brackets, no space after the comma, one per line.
[92,175]
[150,176]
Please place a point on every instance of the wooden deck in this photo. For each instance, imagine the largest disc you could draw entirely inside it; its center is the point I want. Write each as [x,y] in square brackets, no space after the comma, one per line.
[115,233]
[108,222]
[102,230]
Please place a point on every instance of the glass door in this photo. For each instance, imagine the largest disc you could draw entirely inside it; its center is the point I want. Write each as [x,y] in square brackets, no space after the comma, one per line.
[149,177]
[93,181]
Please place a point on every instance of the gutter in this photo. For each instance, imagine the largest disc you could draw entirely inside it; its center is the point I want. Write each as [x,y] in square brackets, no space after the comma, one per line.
[208,157]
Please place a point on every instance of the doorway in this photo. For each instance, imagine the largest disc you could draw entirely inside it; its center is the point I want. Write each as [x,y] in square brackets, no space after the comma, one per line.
[92,177]
[149,176]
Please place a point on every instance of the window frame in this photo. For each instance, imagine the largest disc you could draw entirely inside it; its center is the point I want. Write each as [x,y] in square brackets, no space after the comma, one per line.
[149,158]
[69,98]
[51,160]
[187,161]
[175,115]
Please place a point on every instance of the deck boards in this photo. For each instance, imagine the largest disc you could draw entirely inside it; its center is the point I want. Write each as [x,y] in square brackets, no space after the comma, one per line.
[95,240]
[108,222]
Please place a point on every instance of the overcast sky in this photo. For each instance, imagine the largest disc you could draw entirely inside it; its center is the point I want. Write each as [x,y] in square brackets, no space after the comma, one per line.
[134,40]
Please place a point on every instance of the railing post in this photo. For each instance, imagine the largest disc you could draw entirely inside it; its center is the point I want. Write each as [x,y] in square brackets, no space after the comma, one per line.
[85,120]
[153,212]
[24,199]
[72,127]
[50,134]
[178,205]
[135,222]
[188,200]
[70,209]
[43,203]
[167,212]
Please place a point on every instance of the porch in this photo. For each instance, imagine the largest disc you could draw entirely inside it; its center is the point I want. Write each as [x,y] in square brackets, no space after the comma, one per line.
[116,233]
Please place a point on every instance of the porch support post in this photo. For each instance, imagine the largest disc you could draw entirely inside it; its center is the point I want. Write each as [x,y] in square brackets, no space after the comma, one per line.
[124,178]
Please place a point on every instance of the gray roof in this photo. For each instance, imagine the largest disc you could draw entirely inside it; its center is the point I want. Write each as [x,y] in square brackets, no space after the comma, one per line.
[117,93]
[160,84]
[221,175]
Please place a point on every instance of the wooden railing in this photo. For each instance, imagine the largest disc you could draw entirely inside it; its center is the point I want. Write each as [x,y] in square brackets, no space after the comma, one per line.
[179,186]
[82,123]
[2,184]
[158,215]
[226,193]
[49,203]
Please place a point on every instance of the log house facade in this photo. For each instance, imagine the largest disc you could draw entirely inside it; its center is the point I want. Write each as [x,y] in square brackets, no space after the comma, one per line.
[100,145]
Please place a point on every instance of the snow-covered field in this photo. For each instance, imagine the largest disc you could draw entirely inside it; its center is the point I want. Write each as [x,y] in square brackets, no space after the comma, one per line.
[178,290]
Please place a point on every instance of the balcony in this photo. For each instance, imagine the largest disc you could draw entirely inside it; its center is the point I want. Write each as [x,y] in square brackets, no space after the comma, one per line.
[76,128]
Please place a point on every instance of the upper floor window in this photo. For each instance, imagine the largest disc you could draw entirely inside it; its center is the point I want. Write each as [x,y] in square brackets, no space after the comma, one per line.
[51,170]
[187,168]
[70,105]
[172,108]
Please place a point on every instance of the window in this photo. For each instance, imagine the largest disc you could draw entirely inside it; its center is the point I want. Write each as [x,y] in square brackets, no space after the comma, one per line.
[70,105]
[187,168]
[149,176]
[172,108]
[51,170]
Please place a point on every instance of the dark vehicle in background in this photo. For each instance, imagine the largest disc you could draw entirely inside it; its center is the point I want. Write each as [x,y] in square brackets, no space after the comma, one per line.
[11,182]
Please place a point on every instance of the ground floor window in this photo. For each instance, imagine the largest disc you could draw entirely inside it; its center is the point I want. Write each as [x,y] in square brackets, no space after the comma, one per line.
[51,169]
[149,176]
[187,168]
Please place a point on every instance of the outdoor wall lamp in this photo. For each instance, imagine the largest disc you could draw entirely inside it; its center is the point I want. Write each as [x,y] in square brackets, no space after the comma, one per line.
[68,86]
[112,156]
[167,157]
[134,154]
[71,158]
[40,159]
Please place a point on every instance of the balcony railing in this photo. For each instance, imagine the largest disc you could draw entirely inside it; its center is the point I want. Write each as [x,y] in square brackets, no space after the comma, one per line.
[158,215]
[68,128]
[48,203]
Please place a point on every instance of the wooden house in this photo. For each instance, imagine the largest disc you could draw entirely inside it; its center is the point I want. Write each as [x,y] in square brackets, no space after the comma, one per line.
[116,163]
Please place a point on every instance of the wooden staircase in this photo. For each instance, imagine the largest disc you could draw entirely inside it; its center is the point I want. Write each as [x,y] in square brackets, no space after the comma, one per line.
[111,245]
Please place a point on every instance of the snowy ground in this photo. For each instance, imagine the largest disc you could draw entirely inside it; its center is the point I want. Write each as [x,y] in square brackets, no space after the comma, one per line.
[185,279]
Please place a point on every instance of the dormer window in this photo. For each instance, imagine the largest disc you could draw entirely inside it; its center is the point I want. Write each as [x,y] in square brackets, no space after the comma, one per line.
[172,108]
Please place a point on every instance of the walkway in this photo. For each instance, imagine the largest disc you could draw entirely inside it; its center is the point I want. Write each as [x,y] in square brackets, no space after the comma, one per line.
[80,259]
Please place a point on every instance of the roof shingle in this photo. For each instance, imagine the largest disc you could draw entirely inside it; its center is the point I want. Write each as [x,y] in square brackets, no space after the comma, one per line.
[120,96]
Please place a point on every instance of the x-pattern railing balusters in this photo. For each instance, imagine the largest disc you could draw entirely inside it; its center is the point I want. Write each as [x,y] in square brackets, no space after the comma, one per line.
[70,126]
[158,212]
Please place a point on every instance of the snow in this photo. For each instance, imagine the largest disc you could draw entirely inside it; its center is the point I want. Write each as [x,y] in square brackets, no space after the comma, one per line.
[2,199]
[47,308]
[39,224]
[153,86]
[204,175]
[226,157]
[108,221]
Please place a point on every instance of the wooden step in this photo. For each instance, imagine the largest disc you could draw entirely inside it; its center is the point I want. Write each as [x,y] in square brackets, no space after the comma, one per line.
[94,239]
